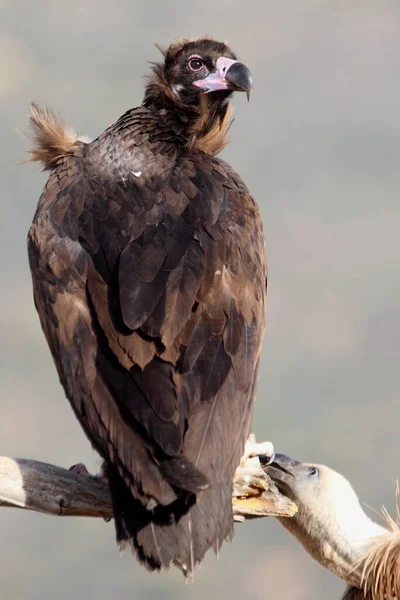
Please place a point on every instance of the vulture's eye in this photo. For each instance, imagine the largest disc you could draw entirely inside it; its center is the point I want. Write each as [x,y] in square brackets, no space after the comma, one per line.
[195,63]
[313,473]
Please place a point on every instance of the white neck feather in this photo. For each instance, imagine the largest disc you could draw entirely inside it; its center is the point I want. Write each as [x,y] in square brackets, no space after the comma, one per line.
[333,527]
[355,528]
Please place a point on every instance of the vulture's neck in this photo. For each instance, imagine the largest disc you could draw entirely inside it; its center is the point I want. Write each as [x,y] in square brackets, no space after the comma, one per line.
[201,128]
[336,541]
[334,529]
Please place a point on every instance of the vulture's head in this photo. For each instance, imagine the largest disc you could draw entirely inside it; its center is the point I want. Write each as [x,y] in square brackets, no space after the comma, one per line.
[325,499]
[330,522]
[194,68]
[307,484]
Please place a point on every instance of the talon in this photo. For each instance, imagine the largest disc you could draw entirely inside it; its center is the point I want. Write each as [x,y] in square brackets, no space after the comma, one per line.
[265,450]
[79,469]
[265,459]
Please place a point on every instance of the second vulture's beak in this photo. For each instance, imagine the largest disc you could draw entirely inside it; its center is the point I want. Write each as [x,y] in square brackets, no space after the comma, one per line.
[282,468]
[229,75]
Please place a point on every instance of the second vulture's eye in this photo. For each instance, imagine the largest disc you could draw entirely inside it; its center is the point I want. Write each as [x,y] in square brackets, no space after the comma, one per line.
[195,63]
[313,472]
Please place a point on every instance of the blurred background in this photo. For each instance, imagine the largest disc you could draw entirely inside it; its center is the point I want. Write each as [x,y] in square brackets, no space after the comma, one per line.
[319,147]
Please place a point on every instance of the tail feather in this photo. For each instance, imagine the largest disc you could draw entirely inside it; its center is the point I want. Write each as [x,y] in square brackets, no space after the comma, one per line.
[51,136]
[178,534]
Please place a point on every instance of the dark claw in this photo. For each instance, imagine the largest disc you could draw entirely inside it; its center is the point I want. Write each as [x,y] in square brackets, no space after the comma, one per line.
[265,460]
[79,469]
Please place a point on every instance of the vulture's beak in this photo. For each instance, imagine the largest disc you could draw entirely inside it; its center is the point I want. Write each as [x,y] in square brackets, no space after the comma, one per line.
[282,469]
[230,75]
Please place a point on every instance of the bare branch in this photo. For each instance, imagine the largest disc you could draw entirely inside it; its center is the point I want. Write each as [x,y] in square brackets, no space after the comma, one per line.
[53,490]
[38,486]
[255,495]
[41,487]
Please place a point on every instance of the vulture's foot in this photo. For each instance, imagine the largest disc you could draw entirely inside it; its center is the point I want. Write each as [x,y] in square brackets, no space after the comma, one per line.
[249,478]
[80,469]
[264,451]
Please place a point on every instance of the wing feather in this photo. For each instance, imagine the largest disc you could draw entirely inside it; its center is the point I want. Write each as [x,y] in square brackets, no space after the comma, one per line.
[151,293]
[181,291]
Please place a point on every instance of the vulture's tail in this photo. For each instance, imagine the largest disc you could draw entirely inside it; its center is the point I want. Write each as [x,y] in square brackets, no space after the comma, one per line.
[51,136]
[381,563]
[178,534]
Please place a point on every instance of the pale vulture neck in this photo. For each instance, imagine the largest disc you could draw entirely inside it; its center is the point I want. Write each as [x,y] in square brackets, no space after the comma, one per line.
[336,539]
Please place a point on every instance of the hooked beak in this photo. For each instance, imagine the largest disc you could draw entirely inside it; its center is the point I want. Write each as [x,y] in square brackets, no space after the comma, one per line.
[282,468]
[230,75]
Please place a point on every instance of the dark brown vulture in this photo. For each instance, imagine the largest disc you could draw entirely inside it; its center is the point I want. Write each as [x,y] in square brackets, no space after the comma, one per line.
[149,276]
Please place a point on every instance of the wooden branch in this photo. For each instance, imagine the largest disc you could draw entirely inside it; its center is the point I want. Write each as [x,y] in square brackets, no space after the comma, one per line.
[53,490]
[255,495]
[38,486]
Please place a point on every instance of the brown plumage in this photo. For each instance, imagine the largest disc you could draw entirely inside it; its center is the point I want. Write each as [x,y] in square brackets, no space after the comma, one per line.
[149,275]
[381,562]
[51,136]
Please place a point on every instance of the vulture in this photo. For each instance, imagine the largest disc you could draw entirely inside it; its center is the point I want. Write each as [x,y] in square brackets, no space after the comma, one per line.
[335,531]
[149,275]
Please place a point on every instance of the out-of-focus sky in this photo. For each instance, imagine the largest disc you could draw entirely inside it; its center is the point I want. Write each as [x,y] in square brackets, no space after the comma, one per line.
[319,147]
